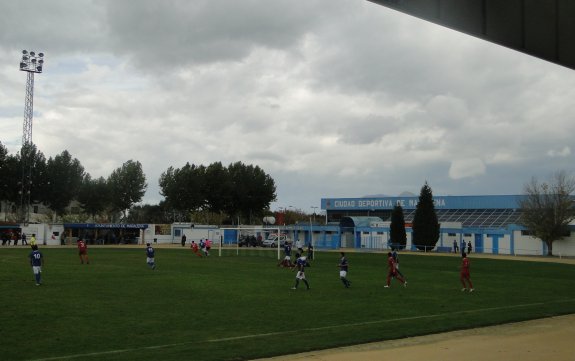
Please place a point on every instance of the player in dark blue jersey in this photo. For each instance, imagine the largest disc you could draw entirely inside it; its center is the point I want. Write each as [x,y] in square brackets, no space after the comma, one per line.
[36,261]
[286,262]
[343,265]
[150,253]
[300,266]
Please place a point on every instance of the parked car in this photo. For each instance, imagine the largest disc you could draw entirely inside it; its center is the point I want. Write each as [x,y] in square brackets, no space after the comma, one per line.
[273,239]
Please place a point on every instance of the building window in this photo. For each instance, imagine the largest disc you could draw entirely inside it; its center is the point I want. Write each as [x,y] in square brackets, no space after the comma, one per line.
[36,209]
[452,234]
[467,235]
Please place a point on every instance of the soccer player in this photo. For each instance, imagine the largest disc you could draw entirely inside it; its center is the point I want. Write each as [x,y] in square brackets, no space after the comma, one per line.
[203,246]
[208,246]
[343,265]
[300,266]
[392,272]
[83,251]
[195,249]
[286,262]
[150,256]
[465,275]
[310,251]
[36,261]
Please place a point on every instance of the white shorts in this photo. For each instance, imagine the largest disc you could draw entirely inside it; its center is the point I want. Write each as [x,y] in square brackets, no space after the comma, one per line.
[37,269]
[342,274]
[149,260]
[300,275]
[287,258]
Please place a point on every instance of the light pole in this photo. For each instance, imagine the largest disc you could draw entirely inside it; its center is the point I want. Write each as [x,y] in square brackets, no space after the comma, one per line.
[31,63]
[313,211]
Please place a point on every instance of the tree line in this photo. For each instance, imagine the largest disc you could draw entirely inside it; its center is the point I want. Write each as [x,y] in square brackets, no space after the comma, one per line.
[238,191]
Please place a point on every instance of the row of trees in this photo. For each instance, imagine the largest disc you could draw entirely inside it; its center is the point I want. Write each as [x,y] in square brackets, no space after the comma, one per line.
[547,208]
[58,181]
[238,190]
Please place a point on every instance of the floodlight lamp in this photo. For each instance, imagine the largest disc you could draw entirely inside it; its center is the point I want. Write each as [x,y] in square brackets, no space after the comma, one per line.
[41,61]
[39,69]
[33,60]
[25,57]
[22,65]
[32,53]
[41,55]
[24,52]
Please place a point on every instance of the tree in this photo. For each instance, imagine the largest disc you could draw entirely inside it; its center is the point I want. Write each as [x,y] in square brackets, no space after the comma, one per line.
[218,187]
[253,191]
[425,223]
[397,234]
[239,190]
[184,188]
[127,186]
[547,208]
[10,178]
[149,214]
[94,195]
[32,174]
[61,181]
[3,173]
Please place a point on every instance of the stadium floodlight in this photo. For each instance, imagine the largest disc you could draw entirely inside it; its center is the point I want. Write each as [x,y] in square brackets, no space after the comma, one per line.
[31,63]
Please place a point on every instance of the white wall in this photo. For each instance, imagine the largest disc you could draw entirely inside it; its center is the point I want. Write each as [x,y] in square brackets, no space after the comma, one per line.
[527,245]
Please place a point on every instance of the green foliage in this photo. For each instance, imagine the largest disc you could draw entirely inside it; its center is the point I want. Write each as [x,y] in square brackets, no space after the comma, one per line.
[184,188]
[239,190]
[425,224]
[10,175]
[94,195]
[61,181]
[127,185]
[36,160]
[548,208]
[242,308]
[147,213]
[397,234]
[216,192]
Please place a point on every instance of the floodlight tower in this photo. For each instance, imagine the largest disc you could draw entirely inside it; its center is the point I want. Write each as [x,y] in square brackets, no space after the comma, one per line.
[31,63]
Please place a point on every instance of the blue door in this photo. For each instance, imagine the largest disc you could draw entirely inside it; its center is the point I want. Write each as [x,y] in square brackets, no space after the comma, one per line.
[495,238]
[479,243]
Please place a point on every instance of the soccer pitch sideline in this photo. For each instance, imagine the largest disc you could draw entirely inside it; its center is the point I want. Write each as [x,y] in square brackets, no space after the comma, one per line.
[243,307]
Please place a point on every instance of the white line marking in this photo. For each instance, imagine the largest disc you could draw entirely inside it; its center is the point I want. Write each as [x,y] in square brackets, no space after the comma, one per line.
[284,333]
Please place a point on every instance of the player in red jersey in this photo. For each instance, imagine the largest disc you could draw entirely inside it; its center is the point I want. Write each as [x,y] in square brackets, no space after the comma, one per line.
[465,275]
[83,251]
[392,271]
[195,249]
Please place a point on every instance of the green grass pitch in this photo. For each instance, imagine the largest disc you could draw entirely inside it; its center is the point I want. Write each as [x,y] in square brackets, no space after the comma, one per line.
[242,307]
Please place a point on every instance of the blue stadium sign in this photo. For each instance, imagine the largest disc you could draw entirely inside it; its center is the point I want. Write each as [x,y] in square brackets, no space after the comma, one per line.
[441,202]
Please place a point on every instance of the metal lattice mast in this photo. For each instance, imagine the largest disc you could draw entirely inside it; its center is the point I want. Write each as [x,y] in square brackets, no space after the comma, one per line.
[31,63]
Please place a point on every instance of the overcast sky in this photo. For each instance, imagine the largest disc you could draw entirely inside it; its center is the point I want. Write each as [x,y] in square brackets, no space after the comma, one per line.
[332,98]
